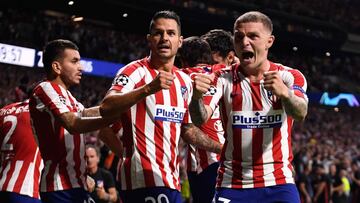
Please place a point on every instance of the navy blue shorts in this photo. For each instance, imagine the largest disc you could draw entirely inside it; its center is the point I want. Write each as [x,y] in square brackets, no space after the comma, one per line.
[286,193]
[202,185]
[76,195]
[151,195]
[12,197]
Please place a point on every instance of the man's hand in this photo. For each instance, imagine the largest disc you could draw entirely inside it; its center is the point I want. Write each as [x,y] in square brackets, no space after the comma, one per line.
[101,193]
[163,80]
[274,83]
[90,183]
[202,83]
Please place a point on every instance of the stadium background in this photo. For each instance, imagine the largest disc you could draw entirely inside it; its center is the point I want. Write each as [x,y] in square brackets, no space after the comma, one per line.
[320,38]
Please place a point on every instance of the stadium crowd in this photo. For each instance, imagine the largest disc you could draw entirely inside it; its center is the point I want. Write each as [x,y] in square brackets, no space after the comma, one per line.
[344,14]
[327,139]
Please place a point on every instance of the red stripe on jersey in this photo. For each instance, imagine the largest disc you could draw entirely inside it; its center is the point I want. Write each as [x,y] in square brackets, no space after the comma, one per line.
[277,156]
[237,98]
[21,176]
[290,124]
[9,174]
[159,134]
[37,174]
[222,156]
[257,139]
[299,81]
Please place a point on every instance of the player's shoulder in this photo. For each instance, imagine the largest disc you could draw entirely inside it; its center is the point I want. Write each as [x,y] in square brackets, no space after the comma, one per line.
[133,66]
[282,67]
[15,108]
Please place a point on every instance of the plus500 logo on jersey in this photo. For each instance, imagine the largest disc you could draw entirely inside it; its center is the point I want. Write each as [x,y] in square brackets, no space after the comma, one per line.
[257,119]
[169,113]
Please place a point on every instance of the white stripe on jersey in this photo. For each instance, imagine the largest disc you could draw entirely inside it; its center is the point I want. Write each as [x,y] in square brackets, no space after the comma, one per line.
[45,172]
[4,176]
[27,189]
[247,159]
[285,152]
[57,180]
[15,175]
[137,171]
[268,158]
[82,163]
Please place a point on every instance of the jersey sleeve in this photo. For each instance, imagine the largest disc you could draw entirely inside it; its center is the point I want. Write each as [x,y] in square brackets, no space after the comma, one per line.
[296,81]
[125,79]
[52,97]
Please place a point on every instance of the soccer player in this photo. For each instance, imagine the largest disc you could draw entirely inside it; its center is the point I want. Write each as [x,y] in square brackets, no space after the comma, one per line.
[222,46]
[58,121]
[259,100]
[21,161]
[152,96]
[195,57]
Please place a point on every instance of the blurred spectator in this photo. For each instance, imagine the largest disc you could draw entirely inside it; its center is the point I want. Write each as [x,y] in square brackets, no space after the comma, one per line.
[105,190]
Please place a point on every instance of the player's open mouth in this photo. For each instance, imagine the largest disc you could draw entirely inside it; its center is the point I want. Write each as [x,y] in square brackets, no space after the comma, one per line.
[163,47]
[247,56]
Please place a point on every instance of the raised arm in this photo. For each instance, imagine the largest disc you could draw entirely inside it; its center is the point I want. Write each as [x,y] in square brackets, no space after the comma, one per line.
[295,106]
[115,102]
[193,135]
[199,112]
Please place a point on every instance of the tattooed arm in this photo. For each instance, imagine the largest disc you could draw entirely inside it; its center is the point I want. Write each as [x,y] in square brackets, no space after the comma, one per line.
[193,135]
[295,106]
[199,112]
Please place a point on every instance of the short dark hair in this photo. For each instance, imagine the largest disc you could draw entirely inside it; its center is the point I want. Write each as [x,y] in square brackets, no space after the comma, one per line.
[54,50]
[255,16]
[97,150]
[194,51]
[167,15]
[220,41]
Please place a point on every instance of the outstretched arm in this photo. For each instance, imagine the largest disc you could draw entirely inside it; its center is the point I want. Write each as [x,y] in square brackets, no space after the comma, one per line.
[193,135]
[116,102]
[85,122]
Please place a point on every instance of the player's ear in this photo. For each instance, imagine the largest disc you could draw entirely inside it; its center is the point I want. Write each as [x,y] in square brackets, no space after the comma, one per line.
[270,42]
[56,67]
[181,39]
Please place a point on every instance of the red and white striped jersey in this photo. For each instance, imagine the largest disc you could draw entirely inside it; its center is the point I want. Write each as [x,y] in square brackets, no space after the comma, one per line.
[199,159]
[151,128]
[21,162]
[63,153]
[257,150]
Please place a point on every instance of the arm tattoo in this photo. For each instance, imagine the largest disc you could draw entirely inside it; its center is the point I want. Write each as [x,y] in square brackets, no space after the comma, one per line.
[198,111]
[295,106]
[193,135]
